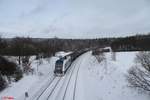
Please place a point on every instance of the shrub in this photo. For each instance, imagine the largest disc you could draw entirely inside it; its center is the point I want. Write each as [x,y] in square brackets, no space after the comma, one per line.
[9,69]
[139,75]
[18,75]
[3,83]
[100,57]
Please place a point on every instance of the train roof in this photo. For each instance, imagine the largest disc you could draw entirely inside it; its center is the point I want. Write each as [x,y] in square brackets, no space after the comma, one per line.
[63,59]
[62,54]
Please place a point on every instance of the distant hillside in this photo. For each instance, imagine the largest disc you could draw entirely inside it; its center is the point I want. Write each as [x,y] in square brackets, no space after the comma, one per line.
[21,46]
[132,43]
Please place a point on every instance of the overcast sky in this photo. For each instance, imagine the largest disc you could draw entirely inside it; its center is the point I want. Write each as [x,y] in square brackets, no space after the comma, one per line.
[74,18]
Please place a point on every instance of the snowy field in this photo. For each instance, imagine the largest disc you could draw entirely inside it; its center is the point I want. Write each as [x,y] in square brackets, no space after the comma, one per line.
[85,80]
[106,81]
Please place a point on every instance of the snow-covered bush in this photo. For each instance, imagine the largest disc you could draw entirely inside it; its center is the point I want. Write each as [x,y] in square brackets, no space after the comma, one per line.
[139,75]
[3,83]
[100,57]
[10,69]
[18,75]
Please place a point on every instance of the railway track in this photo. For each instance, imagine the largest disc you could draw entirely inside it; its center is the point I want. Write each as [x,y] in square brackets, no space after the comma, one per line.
[48,98]
[68,83]
[75,83]
[53,89]
[43,90]
[46,88]
[62,86]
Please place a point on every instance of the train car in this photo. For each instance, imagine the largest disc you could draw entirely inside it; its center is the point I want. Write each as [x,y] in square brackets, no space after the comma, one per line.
[77,54]
[62,65]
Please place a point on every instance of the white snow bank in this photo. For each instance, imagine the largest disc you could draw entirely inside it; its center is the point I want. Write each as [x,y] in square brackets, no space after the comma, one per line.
[106,80]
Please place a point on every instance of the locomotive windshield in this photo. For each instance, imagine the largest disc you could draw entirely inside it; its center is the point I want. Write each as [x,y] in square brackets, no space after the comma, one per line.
[59,63]
[58,66]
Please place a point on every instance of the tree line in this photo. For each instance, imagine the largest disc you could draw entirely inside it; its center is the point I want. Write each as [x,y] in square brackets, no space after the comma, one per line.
[132,43]
[21,46]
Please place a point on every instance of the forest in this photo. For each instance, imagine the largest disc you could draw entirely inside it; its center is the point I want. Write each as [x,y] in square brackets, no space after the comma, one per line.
[21,46]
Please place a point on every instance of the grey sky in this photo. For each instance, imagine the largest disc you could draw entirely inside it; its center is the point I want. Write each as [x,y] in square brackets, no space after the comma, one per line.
[74,18]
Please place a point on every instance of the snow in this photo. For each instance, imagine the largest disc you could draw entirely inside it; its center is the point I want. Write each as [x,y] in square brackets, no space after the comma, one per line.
[126,59]
[21,86]
[32,83]
[106,80]
[86,79]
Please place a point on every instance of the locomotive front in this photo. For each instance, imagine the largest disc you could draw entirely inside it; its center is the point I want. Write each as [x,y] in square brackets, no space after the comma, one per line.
[58,67]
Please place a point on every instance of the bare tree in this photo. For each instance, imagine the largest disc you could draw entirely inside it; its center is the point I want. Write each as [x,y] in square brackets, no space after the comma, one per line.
[139,75]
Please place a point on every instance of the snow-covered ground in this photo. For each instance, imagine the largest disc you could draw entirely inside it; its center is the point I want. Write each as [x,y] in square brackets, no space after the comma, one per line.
[106,81]
[32,82]
[85,80]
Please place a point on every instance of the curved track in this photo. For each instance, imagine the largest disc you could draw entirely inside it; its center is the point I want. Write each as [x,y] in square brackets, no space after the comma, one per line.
[68,84]
[70,73]
[45,88]
[53,89]
[75,85]
[59,88]
[71,83]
